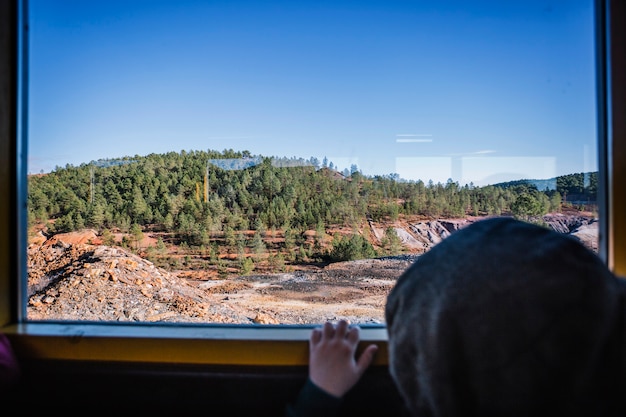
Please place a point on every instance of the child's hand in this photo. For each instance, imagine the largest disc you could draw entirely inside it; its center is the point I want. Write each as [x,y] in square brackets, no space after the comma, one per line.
[332,363]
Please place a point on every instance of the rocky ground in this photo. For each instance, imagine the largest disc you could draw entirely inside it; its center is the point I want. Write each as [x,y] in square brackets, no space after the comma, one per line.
[86,282]
[71,279]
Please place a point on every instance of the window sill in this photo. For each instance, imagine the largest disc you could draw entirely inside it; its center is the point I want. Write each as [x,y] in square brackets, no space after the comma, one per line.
[176,344]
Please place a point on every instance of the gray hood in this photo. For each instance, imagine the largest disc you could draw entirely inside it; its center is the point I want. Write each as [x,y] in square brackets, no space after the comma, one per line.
[505,318]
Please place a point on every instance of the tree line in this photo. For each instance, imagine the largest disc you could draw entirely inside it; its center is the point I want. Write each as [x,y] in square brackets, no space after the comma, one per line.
[192,196]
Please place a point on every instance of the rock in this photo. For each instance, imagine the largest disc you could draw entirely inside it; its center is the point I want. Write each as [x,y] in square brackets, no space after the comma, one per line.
[264,318]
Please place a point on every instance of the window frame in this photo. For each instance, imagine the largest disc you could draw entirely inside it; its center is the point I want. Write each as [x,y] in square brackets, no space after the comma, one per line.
[241,344]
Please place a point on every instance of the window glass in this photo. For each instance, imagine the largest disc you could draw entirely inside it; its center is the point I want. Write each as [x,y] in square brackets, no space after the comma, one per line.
[283,162]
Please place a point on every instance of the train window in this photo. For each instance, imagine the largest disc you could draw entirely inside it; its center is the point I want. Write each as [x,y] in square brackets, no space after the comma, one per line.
[241,171]
[281,163]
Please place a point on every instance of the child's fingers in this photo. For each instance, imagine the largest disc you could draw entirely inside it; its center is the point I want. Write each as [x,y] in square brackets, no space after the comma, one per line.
[316,336]
[328,331]
[342,329]
[366,358]
[354,334]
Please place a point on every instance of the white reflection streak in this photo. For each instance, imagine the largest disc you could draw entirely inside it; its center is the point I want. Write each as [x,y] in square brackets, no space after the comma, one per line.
[411,138]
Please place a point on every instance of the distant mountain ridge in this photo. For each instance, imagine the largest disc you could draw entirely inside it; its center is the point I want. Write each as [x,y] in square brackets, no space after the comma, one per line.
[584,183]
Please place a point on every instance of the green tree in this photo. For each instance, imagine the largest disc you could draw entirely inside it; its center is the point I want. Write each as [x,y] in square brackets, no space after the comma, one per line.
[79,222]
[258,246]
[96,216]
[350,248]
[247,266]
[277,262]
[107,238]
[138,206]
[137,234]
[526,205]
[230,239]
[392,242]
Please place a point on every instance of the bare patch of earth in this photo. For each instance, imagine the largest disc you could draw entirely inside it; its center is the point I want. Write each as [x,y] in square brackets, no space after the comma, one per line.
[355,291]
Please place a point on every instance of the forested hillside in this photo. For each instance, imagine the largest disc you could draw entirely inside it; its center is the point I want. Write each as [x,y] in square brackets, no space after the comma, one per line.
[229,201]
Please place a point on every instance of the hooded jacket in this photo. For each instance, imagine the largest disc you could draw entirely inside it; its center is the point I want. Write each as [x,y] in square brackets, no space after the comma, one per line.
[506,318]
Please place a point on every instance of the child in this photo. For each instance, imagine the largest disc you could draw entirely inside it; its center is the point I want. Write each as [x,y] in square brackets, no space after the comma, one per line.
[508,318]
[501,318]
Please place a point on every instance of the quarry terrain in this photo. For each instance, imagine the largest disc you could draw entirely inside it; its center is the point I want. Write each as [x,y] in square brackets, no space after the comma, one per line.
[74,277]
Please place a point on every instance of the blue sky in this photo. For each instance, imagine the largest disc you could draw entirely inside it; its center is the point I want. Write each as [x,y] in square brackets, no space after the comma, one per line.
[476,91]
